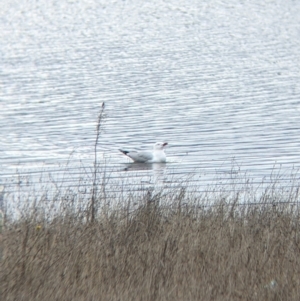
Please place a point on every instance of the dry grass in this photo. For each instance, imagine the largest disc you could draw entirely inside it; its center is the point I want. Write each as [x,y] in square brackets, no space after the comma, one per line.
[224,252]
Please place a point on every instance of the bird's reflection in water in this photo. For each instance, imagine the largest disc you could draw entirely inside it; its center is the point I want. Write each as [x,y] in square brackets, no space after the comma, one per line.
[145,166]
[157,171]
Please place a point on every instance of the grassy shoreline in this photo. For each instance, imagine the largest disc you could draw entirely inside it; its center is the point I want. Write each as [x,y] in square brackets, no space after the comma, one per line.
[227,251]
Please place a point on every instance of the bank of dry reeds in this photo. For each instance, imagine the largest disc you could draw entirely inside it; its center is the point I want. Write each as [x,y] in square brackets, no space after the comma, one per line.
[155,252]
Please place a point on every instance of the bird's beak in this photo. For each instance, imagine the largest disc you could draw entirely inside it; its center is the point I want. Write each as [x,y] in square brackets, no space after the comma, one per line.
[166,143]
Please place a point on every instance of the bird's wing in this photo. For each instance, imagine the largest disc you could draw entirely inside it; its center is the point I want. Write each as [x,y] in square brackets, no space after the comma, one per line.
[140,156]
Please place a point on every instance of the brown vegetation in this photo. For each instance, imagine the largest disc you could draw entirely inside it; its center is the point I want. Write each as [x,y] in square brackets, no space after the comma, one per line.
[223,252]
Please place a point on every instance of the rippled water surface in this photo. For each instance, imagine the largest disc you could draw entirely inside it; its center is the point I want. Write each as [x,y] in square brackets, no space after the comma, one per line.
[218,80]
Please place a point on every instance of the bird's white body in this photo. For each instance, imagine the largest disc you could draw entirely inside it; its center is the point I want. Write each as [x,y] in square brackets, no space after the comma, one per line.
[156,156]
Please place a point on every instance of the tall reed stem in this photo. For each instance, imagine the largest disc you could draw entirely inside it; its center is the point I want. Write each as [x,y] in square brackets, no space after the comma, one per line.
[94,190]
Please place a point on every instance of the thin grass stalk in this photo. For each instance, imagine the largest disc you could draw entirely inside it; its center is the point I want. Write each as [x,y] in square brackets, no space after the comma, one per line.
[94,190]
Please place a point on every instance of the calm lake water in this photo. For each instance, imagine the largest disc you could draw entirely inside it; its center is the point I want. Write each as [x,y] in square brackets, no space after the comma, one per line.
[218,80]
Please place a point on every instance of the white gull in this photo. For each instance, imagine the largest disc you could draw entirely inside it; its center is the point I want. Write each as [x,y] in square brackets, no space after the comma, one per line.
[156,156]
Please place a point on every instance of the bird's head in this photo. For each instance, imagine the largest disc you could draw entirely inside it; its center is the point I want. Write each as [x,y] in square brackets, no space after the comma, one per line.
[159,145]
